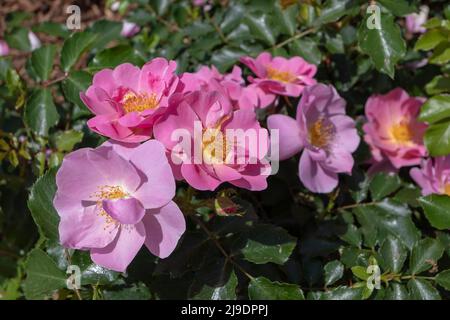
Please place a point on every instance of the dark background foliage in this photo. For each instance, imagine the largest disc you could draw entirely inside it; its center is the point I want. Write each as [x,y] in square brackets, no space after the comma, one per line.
[284,242]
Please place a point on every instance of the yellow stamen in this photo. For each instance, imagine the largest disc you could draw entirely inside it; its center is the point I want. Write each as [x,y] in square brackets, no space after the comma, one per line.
[282,76]
[320,134]
[108,193]
[447,189]
[139,102]
[401,133]
[214,145]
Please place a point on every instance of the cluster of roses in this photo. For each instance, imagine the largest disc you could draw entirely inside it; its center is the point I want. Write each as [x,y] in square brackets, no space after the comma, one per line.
[117,197]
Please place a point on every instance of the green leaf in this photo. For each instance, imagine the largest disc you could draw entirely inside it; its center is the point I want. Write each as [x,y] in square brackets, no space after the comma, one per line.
[307,49]
[65,141]
[226,57]
[441,54]
[267,243]
[112,57]
[443,279]
[18,39]
[92,273]
[74,47]
[437,139]
[425,254]
[422,290]
[437,210]
[42,61]
[263,289]
[344,293]
[396,291]
[429,40]
[393,254]
[360,272]
[260,28]
[52,28]
[385,46]
[384,184]
[398,7]
[335,9]
[334,270]
[389,217]
[107,31]
[435,109]
[74,84]
[40,203]
[439,84]
[221,288]
[285,20]
[137,291]
[43,276]
[40,112]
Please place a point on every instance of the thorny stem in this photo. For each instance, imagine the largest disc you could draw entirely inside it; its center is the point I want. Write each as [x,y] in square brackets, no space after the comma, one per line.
[295,37]
[56,80]
[213,238]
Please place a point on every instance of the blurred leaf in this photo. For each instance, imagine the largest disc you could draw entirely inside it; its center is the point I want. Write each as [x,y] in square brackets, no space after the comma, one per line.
[74,47]
[343,293]
[74,84]
[443,279]
[396,291]
[267,243]
[107,31]
[437,210]
[333,10]
[260,28]
[286,20]
[263,289]
[40,112]
[65,141]
[43,276]
[137,291]
[430,40]
[307,49]
[425,255]
[385,46]
[383,185]
[218,282]
[40,203]
[439,84]
[398,7]
[422,290]
[437,139]
[42,61]
[52,28]
[334,270]
[435,109]
[393,254]
[18,39]
[112,57]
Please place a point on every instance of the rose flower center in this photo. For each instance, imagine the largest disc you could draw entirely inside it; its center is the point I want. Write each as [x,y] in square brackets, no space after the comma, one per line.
[108,193]
[214,145]
[139,102]
[282,76]
[401,133]
[320,134]
[447,189]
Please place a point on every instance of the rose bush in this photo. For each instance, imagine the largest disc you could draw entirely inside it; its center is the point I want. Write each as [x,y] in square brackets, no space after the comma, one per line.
[226,150]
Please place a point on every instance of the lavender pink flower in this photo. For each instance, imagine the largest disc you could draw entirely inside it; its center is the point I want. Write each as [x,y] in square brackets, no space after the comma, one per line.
[326,134]
[129,29]
[433,176]
[280,76]
[115,198]
[414,22]
[4,48]
[213,114]
[231,85]
[127,101]
[392,130]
